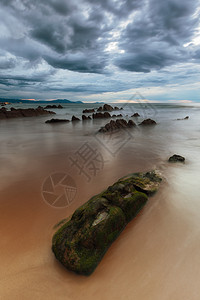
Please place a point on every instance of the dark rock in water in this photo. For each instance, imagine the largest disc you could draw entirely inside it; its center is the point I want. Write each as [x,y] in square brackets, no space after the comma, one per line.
[100,115]
[26,112]
[88,111]
[100,108]
[82,241]
[84,118]
[53,106]
[135,115]
[57,121]
[116,125]
[186,118]
[148,122]
[176,158]
[108,107]
[75,119]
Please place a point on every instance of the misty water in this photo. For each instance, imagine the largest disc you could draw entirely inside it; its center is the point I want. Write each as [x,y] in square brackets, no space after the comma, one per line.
[156,257]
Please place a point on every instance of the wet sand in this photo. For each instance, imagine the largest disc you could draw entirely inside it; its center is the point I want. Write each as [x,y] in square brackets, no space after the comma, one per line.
[157,255]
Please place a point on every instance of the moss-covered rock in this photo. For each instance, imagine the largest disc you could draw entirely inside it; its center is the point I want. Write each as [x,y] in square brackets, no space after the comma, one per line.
[83,240]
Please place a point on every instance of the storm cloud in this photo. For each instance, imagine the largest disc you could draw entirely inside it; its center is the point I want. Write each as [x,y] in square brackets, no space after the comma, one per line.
[97,43]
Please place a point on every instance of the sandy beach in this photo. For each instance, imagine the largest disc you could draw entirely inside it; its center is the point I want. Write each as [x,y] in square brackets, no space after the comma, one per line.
[156,257]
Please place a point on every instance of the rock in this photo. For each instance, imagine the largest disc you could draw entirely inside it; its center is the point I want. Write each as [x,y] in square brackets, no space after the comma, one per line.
[75,119]
[100,115]
[176,158]
[26,112]
[107,107]
[88,111]
[116,125]
[53,106]
[84,118]
[57,121]
[82,241]
[148,122]
[135,115]
[186,118]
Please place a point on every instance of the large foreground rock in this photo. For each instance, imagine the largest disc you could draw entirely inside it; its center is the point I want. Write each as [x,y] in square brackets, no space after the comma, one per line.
[82,241]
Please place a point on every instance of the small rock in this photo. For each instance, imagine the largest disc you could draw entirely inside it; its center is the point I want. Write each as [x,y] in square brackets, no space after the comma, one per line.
[84,118]
[135,115]
[176,158]
[148,122]
[75,119]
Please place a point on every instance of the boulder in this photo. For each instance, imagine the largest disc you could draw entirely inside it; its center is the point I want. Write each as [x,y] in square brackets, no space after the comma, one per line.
[88,111]
[84,118]
[75,119]
[116,125]
[148,122]
[57,121]
[82,241]
[176,158]
[107,107]
[100,115]
[135,115]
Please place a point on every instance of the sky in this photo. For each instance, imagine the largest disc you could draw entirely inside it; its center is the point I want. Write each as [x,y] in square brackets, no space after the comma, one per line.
[100,50]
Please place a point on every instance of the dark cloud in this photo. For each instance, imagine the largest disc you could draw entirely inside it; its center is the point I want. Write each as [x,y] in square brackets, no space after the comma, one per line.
[156,36]
[88,36]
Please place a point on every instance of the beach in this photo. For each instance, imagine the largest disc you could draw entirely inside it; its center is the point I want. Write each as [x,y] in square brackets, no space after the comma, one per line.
[156,256]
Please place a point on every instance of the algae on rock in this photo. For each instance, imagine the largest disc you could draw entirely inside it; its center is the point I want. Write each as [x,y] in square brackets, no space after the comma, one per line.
[82,241]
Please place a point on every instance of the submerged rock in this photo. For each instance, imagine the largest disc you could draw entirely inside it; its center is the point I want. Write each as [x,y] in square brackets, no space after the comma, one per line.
[57,121]
[176,158]
[148,122]
[82,241]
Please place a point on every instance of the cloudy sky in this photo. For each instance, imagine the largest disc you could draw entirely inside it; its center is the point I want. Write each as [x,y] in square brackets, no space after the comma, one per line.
[100,50]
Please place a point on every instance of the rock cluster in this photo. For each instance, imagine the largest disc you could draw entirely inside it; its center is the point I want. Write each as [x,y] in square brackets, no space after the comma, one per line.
[25,112]
[53,106]
[82,241]
[115,125]
[108,107]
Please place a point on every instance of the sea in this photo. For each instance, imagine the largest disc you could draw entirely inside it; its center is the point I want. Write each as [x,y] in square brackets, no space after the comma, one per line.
[49,170]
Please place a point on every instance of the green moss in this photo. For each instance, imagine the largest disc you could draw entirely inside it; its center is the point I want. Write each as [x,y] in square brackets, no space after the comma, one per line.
[82,241]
